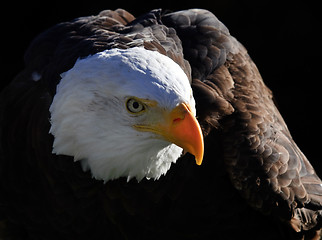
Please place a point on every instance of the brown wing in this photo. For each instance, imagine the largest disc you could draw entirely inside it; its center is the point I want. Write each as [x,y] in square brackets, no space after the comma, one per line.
[263,161]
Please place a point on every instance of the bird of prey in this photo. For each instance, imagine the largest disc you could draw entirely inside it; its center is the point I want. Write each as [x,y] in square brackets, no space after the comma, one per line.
[156,127]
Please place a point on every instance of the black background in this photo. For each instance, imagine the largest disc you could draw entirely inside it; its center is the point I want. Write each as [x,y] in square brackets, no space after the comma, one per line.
[283,38]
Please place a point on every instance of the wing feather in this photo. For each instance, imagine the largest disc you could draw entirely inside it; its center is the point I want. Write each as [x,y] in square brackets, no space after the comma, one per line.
[262,159]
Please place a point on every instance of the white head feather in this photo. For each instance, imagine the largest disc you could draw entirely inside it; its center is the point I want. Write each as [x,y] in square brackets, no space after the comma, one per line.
[90,122]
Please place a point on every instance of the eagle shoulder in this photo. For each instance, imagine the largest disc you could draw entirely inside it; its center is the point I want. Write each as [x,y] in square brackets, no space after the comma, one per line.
[264,163]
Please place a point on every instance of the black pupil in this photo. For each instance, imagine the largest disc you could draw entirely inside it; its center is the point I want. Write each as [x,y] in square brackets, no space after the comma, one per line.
[135,105]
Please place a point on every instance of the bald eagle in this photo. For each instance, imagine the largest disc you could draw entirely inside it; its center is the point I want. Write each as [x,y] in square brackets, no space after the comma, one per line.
[102,130]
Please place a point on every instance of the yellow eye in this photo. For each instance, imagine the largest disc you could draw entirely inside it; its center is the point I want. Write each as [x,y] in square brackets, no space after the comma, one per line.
[134,106]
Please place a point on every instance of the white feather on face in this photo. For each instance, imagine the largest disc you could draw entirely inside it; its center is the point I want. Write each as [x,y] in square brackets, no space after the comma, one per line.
[90,120]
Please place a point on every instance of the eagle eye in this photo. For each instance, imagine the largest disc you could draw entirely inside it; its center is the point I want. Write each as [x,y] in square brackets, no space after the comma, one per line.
[134,106]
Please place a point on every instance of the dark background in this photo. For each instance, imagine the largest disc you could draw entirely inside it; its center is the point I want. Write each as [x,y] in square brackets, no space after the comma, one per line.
[283,38]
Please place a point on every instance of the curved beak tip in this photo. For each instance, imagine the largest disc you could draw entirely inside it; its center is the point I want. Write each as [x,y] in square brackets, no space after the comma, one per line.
[199,160]
[198,150]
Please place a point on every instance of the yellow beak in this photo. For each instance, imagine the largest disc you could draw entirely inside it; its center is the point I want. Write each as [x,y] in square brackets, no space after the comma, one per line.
[181,128]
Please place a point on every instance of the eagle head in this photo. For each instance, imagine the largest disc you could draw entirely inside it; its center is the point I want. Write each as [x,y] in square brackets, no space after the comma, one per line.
[125,113]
